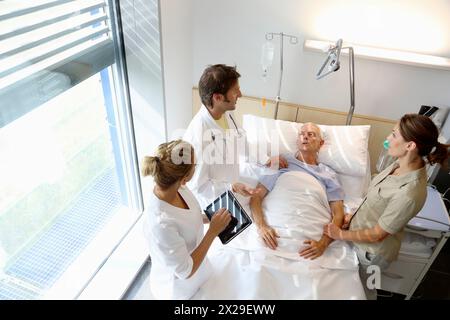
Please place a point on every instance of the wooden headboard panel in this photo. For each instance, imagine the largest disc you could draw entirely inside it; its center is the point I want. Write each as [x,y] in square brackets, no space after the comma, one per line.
[379,130]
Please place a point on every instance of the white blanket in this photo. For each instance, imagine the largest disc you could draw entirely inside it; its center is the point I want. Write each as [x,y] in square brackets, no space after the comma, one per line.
[245,269]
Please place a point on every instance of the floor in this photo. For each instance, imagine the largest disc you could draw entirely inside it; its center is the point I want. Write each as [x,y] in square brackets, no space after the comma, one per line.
[436,284]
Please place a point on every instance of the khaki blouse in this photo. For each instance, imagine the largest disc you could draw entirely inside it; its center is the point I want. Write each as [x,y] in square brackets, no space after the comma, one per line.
[391,202]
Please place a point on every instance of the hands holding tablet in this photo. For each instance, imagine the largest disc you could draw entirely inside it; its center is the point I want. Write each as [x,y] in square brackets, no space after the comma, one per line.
[227,204]
[219,221]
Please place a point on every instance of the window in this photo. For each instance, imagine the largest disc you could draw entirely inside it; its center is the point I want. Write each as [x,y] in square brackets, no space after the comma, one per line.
[68,167]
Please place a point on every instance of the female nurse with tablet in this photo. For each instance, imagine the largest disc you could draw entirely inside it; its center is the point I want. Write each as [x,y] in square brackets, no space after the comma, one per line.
[173,224]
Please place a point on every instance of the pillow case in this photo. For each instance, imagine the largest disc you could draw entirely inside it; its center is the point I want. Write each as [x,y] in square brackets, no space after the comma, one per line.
[345,149]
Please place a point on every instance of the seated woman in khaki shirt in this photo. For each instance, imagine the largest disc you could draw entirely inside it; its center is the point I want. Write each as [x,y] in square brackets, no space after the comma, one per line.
[395,195]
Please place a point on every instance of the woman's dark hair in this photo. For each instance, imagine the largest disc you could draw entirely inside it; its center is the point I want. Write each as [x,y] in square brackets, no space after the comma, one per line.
[172,162]
[217,78]
[422,130]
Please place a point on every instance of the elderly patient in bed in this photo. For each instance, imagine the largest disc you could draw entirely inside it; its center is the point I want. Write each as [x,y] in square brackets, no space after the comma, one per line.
[304,160]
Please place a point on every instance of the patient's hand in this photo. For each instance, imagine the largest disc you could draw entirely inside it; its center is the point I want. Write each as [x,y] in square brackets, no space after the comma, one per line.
[269,235]
[242,189]
[333,231]
[313,250]
[277,162]
[347,218]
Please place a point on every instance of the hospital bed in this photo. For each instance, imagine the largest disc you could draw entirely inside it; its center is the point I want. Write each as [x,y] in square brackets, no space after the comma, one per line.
[423,240]
[246,269]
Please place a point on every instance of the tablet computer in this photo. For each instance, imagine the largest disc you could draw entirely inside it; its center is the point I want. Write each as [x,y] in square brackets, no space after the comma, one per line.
[239,218]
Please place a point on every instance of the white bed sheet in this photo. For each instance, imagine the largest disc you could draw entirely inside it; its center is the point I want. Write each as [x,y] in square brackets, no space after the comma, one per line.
[246,269]
[241,274]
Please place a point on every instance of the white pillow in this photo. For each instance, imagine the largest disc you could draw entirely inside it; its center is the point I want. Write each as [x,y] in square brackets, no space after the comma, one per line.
[345,149]
[354,187]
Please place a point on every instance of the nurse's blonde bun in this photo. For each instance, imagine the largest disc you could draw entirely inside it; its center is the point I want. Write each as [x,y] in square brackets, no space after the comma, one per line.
[173,161]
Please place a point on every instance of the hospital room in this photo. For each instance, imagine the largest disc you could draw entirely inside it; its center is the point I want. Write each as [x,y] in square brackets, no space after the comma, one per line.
[224,150]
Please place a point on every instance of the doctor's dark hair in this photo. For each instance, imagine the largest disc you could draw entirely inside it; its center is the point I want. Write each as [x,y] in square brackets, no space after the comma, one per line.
[173,161]
[218,78]
[422,130]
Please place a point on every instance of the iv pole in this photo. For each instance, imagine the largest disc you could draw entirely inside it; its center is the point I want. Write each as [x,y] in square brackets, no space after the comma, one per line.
[292,40]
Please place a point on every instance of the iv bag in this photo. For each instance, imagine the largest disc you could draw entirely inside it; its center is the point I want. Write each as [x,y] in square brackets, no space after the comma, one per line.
[267,53]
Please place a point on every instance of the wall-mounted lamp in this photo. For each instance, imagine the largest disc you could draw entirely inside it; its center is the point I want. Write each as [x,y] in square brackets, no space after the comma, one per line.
[332,64]
[386,55]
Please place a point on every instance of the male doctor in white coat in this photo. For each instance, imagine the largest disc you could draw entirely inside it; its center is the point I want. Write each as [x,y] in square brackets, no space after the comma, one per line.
[217,137]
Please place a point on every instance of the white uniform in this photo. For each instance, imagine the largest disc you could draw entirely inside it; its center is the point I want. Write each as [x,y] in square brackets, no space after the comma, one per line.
[173,234]
[216,155]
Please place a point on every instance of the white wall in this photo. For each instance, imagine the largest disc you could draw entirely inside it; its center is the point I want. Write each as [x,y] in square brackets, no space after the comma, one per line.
[233,31]
[176,25]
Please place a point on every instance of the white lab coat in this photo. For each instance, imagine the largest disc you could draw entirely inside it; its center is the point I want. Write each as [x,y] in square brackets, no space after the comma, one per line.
[218,153]
[172,235]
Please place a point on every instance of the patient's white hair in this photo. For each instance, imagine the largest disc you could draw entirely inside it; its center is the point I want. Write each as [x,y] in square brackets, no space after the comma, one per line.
[314,125]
